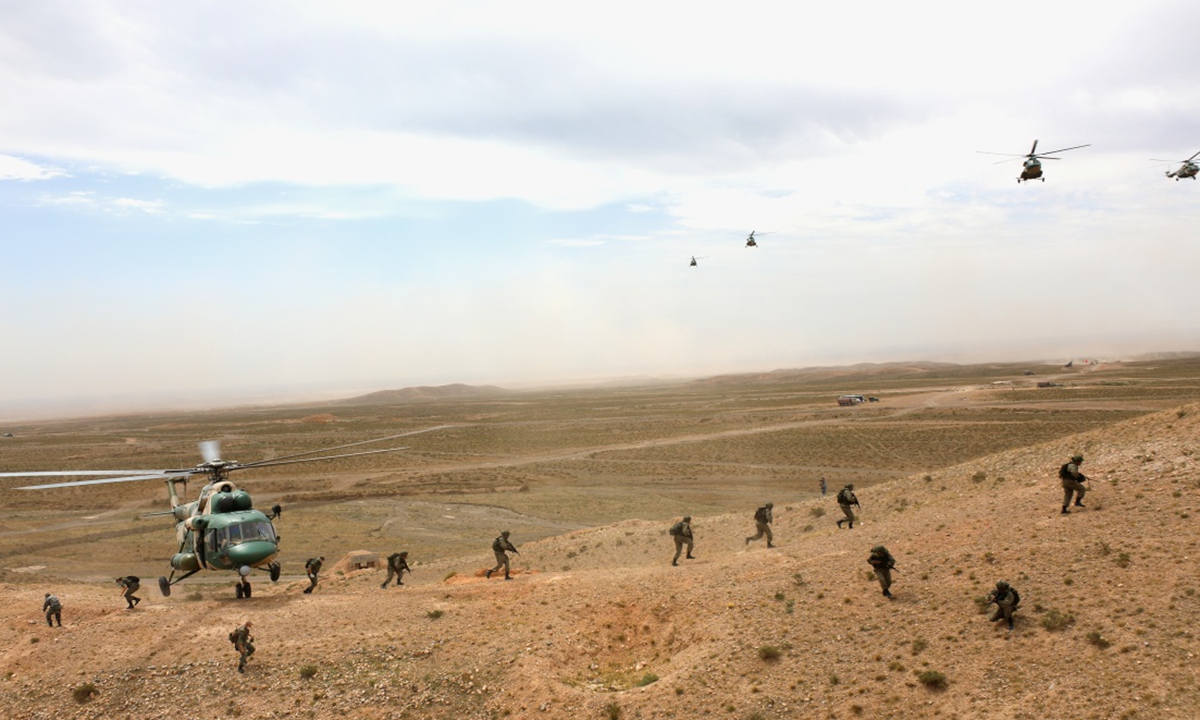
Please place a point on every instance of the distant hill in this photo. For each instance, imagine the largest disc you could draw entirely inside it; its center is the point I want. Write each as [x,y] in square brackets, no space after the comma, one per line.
[424,393]
[897,369]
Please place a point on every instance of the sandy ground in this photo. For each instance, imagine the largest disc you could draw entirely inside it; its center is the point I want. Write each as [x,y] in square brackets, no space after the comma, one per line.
[597,624]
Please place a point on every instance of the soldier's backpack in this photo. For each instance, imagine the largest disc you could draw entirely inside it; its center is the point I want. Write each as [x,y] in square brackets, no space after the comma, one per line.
[760,515]
[132,579]
[1016,597]
[676,529]
[55,605]
[233,638]
[309,563]
[1064,473]
[843,497]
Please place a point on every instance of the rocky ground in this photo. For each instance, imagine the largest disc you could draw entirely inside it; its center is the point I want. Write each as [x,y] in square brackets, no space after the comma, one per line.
[597,624]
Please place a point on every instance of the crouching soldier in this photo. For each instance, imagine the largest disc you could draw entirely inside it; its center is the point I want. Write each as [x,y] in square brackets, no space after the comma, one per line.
[53,609]
[1006,599]
[129,585]
[243,641]
[762,521]
[682,533]
[313,568]
[397,565]
[501,547]
[1072,482]
[883,563]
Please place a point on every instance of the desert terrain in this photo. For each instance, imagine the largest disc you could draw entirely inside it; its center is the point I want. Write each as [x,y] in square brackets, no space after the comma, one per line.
[955,467]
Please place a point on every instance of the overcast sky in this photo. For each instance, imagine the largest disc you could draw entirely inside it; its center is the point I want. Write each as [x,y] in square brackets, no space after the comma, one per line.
[231,201]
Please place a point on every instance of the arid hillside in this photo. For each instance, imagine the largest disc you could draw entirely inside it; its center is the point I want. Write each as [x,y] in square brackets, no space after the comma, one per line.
[598,624]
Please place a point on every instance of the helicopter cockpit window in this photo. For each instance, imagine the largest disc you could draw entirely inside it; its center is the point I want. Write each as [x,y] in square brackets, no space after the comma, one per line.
[258,530]
[234,532]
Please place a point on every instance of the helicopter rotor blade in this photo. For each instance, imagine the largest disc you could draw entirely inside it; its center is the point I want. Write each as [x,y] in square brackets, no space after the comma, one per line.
[270,463]
[1192,157]
[273,461]
[1033,150]
[105,481]
[210,450]
[72,473]
[1001,162]
[984,152]
[1063,150]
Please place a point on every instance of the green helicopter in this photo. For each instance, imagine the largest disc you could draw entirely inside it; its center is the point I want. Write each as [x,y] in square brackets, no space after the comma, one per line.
[220,530]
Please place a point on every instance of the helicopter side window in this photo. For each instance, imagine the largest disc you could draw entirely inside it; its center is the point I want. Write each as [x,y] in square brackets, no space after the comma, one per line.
[235,534]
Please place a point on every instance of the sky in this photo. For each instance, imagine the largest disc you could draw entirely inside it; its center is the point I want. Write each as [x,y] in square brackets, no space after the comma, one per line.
[206,203]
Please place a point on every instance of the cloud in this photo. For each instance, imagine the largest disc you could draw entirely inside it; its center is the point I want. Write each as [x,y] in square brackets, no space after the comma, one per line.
[15,168]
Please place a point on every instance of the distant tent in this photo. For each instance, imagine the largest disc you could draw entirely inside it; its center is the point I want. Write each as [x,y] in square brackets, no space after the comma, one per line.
[1070,364]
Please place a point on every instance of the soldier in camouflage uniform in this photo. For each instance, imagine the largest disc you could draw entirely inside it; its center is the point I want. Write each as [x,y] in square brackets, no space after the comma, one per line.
[397,565]
[244,642]
[501,547]
[313,568]
[762,521]
[882,562]
[1006,599]
[53,609]
[1072,482]
[129,585]
[845,499]
[682,533]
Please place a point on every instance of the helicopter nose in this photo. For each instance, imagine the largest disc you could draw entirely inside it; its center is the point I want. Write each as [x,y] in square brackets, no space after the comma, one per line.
[252,552]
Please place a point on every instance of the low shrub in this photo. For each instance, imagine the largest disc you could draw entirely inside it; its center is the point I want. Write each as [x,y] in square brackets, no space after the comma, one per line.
[84,692]
[434,614]
[769,653]
[308,671]
[932,679]
[612,711]
[1095,638]
[1054,621]
[647,679]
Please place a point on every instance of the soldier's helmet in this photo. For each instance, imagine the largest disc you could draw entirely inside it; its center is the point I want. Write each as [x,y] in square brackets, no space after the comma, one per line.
[1077,458]
[506,533]
[47,594]
[849,486]
[878,550]
[770,505]
[687,518]
[404,554]
[1002,586]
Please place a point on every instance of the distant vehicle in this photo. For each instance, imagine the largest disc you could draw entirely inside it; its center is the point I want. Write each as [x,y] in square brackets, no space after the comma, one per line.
[1187,170]
[1048,384]
[1030,372]
[873,399]
[1032,169]
[851,399]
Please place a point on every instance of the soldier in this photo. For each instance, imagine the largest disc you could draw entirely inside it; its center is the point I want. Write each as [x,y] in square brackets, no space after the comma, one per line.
[397,565]
[823,486]
[1006,599]
[883,563]
[845,499]
[313,568]
[53,609]
[129,585]
[1072,482]
[499,546]
[762,521]
[682,532]
[244,642]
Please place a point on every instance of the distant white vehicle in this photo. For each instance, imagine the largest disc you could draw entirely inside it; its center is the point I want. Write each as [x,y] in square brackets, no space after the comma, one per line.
[851,399]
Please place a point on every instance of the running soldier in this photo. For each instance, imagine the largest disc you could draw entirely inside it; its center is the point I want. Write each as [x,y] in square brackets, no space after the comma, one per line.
[682,532]
[883,563]
[313,567]
[53,609]
[762,521]
[824,487]
[243,641]
[129,585]
[1006,599]
[501,546]
[845,499]
[397,566]
[1072,482]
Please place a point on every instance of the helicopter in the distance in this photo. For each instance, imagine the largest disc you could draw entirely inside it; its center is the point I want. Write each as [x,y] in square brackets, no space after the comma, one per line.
[693,263]
[1188,169]
[751,242]
[1032,169]
[220,530]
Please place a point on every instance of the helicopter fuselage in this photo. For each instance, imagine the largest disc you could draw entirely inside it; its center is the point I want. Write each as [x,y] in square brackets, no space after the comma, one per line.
[222,531]
[1031,171]
[1188,170]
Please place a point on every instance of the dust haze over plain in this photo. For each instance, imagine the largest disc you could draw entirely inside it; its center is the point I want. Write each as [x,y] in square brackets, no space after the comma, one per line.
[222,202]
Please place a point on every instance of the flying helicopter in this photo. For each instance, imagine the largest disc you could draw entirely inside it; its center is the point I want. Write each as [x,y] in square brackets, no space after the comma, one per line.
[693,263]
[221,529]
[1187,170]
[751,242]
[1032,169]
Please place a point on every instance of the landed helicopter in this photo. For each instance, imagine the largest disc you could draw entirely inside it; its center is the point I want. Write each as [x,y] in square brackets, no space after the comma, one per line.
[1187,170]
[220,530]
[1032,169]
[693,263]
[751,242]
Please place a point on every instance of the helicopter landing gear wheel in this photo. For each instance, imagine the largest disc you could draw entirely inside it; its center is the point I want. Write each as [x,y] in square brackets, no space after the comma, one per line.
[240,592]
[164,586]
[275,570]
[247,590]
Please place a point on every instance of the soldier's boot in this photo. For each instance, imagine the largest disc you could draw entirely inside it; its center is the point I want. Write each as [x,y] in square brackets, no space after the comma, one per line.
[674,563]
[136,600]
[488,574]
[748,540]
[851,526]
[1065,511]
[887,593]
[1078,504]
[689,557]
[839,523]
[398,582]
[383,586]
[508,577]
[770,545]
